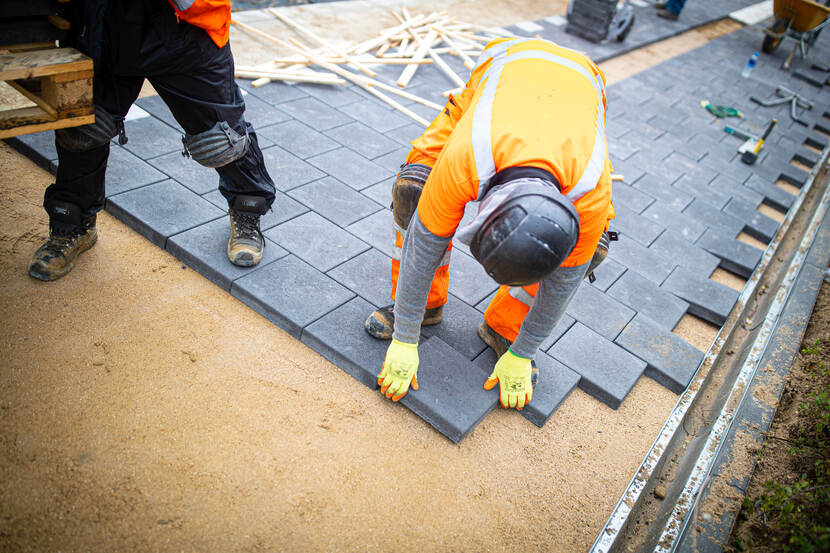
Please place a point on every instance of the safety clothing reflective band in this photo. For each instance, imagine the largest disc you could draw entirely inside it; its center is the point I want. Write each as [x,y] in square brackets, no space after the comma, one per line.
[183,5]
[521,294]
[482,120]
[397,251]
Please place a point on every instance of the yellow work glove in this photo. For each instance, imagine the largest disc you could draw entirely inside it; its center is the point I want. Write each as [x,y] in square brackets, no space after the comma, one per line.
[513,375]
[400,368]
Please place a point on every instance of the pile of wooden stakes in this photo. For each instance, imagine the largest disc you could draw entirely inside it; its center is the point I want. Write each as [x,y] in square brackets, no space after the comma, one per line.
[416,40]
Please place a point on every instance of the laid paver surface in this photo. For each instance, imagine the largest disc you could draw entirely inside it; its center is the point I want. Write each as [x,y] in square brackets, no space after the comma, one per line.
[333,152]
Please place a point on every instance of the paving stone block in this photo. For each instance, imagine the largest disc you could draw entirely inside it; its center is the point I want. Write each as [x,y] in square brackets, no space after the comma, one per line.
[699,188]
[656,166]
[41,144]
[290,293]
[380,118]
[156,107]
[598,311]
[629,171]
[565,323]
[204,249]
[629,197]
[315,113]
[335,96]
[350,168]
[689,227]
[316,241]
[381,192]
[670,360]
[607,372]
[451,395]
[637,227]
[694,258]
[637,257]
[339,337]
[335,201]
[198,178]
[376,230]
[643,296]
[774,196]
[158,211]
[405,135]
[149,138]
[607,273]
[735,256]
[709,300]
[714,218]
[756,224]
[299,139]
[664,192]
[736,189]
[367,275]
[287,170]
[392,161]
[275,92]
[127,172]
[362,139]
[458,328]
[468,280]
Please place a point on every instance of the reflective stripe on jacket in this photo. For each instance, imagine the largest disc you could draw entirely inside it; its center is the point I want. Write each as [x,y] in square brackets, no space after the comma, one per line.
[532,103]
[214,16]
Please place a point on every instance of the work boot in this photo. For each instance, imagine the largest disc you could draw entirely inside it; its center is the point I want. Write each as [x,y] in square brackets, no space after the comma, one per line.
[660,5]
[666,14]
[381,323]
[69,236]
[246,243]
[500,345]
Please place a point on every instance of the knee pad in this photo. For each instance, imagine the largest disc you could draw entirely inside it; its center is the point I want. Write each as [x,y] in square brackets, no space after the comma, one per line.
[407,191]
[217,146]
[88,137]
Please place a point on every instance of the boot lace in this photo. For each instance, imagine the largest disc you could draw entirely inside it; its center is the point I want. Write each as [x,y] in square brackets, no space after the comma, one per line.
[60,242]
[246,225]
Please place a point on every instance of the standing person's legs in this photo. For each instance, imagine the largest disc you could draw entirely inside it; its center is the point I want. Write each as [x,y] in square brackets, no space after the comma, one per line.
[675,6]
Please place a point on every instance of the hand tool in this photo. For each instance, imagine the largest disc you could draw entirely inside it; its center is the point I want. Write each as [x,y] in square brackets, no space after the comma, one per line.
[720,111]
[787,96]
[750,157]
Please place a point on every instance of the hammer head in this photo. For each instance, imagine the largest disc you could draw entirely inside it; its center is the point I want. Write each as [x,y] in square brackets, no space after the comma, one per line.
[749,157]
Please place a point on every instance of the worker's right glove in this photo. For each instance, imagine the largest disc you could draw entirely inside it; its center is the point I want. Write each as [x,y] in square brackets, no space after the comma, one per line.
[400,368]
[513,375]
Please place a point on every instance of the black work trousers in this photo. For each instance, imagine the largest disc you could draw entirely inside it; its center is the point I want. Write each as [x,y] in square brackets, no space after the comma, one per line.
[193,76]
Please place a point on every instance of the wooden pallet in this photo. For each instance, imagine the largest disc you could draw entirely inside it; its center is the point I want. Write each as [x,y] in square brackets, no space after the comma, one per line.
[57,80]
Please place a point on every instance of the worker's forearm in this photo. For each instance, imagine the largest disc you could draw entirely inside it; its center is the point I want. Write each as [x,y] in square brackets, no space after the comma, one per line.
[421,254]
[552,298]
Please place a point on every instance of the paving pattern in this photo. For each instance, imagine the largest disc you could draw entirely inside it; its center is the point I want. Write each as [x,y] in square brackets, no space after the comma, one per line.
[333,153]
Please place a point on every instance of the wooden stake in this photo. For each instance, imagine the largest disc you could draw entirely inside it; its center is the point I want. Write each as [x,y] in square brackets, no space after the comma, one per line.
[468,62]
[423,49]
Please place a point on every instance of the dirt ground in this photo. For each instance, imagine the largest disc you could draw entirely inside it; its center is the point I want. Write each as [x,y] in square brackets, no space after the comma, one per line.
[143,408]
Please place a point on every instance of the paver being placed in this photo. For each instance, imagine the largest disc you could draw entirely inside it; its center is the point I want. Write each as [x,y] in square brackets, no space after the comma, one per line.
[734,255]
[607,371]
[458,328]
[707,299]
[645,297]
[671,361]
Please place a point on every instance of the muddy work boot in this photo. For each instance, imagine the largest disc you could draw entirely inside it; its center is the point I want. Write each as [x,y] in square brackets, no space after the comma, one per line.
[246,243]
[381,322]
[500,345]
[69,236]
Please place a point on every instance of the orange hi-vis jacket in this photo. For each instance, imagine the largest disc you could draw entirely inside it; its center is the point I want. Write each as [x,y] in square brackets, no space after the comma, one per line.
[528,102]
[214,16]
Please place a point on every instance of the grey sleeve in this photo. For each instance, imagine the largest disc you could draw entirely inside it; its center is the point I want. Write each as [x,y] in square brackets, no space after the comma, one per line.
[552,298]
[422,252]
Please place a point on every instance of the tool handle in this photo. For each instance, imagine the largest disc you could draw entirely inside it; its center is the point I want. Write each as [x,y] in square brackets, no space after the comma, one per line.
[769,128]
[736,132]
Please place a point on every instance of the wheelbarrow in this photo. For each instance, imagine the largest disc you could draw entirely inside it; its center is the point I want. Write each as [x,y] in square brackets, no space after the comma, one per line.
[801,20]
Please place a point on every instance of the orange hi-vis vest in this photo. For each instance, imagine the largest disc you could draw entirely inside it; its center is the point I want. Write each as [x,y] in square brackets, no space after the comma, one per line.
[214,16]
[530,103]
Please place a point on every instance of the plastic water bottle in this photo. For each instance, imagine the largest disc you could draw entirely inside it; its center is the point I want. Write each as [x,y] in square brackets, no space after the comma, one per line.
[750,65]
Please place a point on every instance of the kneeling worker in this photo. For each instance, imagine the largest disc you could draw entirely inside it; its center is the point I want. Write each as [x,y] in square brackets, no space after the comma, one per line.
[526,138]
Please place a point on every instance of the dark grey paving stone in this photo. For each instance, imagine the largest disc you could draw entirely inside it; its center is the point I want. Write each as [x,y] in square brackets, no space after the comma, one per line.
[40,143]
[451,395]
[316,241]
[335,96]
[335,201]
[290,293]
[711,195]
[458,328]
[283,209]
[694,258]
[734,255]
[339,337]
[773,196]
[635,226]
[149,138]
[629,197]
[315,113]
[362,139]
[713,218]
[756,224]
[299,139]
[196,177]
[376,230]
[636,257]
[670,360]
[274,92]
[367,275]
[736,189]
[393,160]
[642,295]
[204,249]
[607,273]
[380,118]
[287,170]
[404,135]
[687,226]
[468,280]
[709,300]
[558,331]
[127,172]
[607,371]
[350,168]
[156,107]
[664,192]
[482,305]
[381,192]
[260,113]
[599,312]
[160,210]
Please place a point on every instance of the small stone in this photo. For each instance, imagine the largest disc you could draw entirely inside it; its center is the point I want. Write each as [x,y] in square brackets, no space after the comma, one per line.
[660,492]
[706,517]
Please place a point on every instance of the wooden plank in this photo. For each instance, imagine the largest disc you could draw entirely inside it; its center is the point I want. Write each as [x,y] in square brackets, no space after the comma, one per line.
[70,98]
[47,126]
[38,63]
[35,98]
[25,46]
[58,22]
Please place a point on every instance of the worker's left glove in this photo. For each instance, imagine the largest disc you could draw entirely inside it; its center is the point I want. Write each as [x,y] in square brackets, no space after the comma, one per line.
[513,375]
[400,368]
